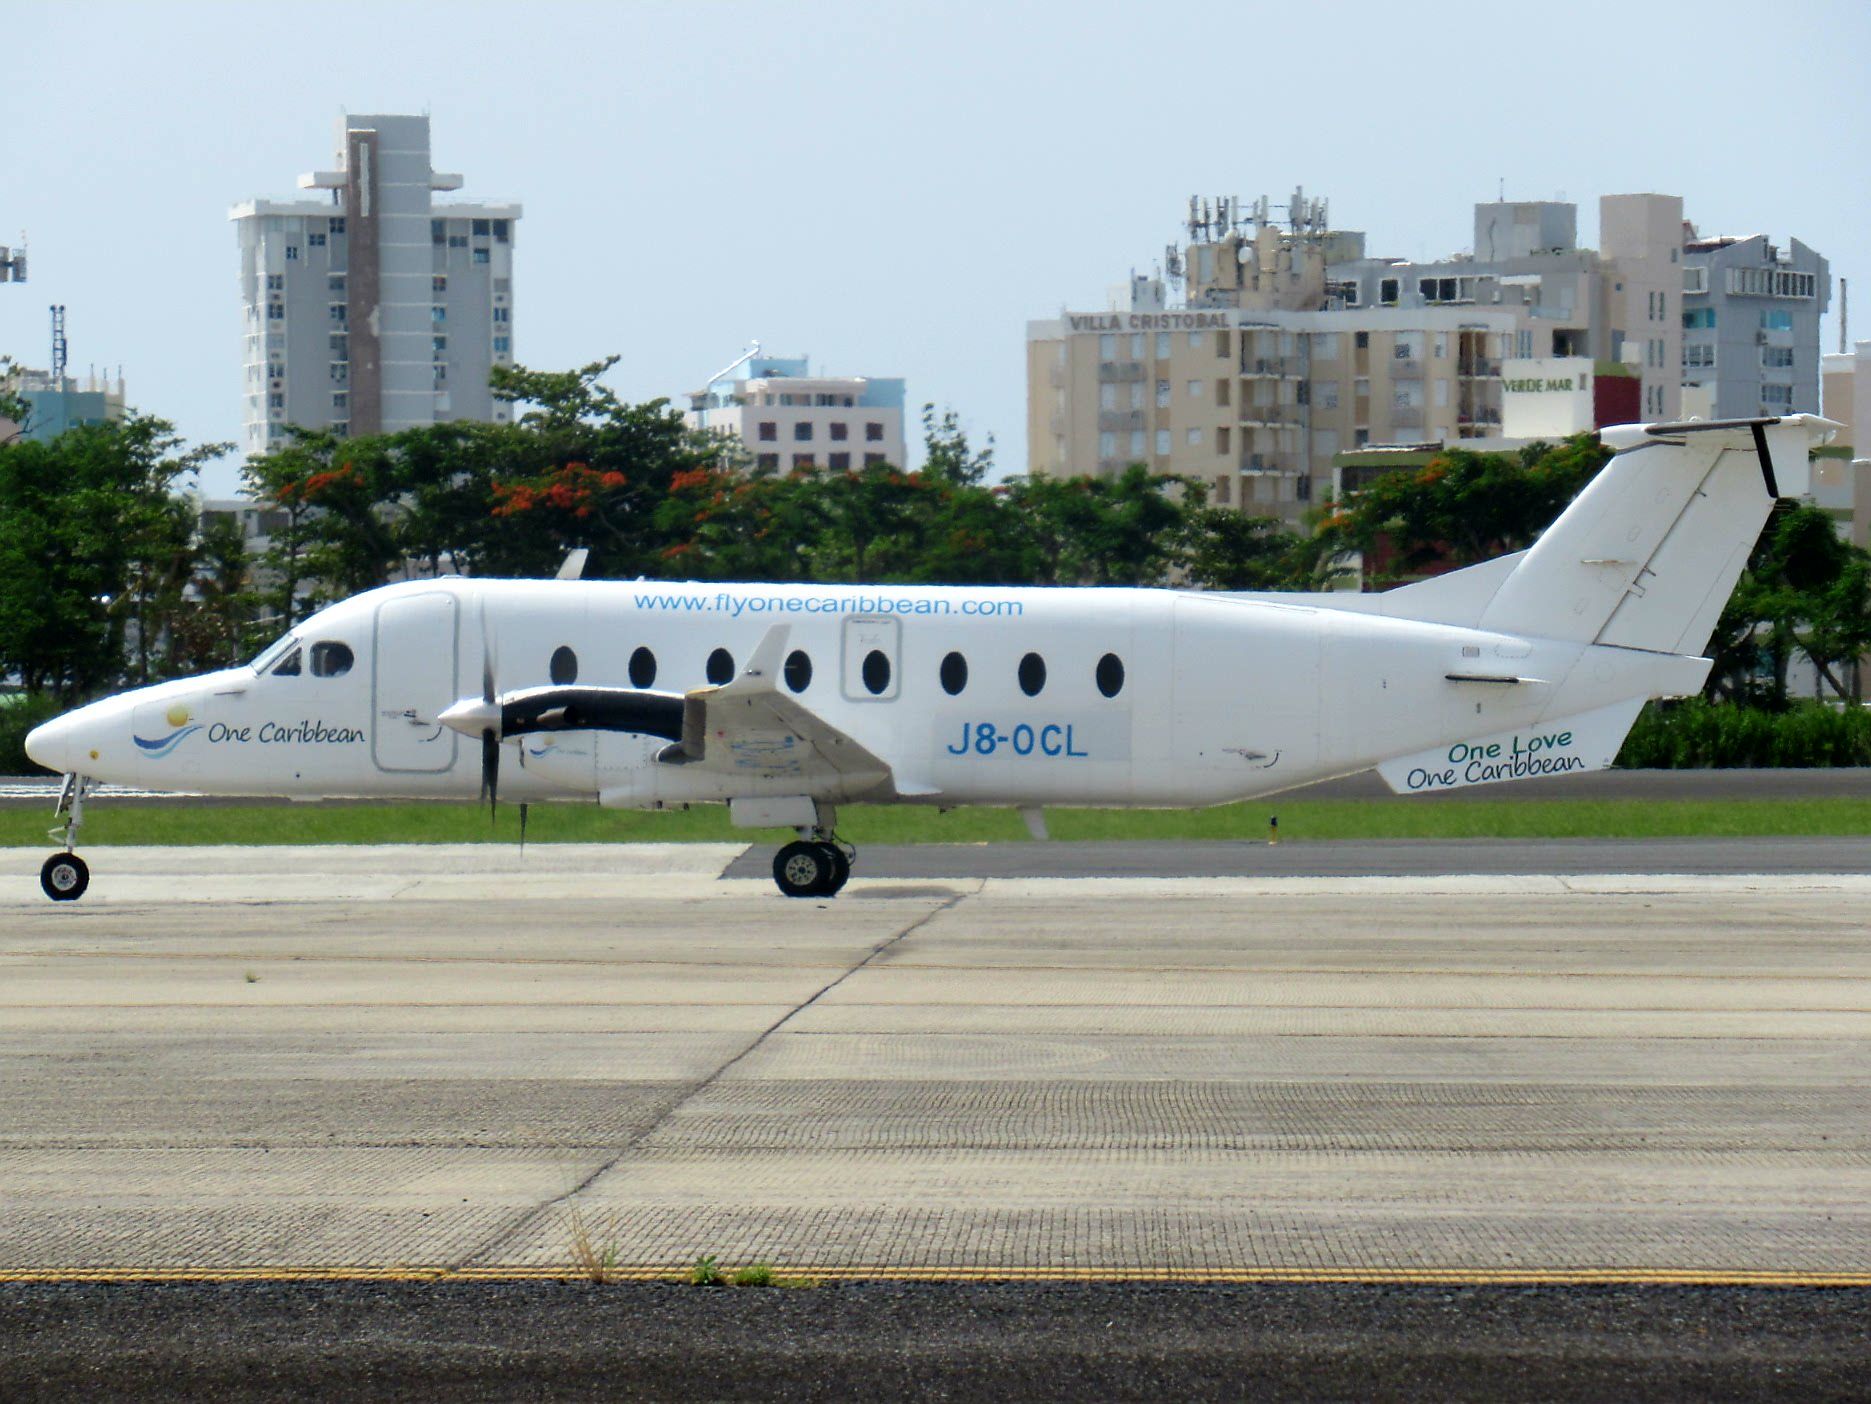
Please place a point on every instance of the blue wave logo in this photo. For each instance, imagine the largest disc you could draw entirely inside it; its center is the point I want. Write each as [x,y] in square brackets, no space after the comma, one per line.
[162,745]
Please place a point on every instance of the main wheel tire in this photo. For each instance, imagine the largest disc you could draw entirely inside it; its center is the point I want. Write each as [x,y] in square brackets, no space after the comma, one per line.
[841,870]
[64,877]
[802,869]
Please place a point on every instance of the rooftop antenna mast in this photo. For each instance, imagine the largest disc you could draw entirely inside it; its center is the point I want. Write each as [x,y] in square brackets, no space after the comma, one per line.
[59,347]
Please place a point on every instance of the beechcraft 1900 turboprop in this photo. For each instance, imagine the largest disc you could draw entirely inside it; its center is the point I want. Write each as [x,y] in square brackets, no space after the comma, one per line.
[787,701]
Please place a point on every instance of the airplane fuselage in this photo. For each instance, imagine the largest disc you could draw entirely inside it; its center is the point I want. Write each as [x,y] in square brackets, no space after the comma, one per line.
[985,695]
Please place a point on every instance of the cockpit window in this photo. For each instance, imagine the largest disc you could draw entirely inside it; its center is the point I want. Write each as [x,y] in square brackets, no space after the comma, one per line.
[331,659]
[271,652]
[287,667]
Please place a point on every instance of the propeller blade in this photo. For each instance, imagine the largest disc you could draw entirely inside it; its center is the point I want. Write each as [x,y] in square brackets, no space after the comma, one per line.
[490,769]
[522,826]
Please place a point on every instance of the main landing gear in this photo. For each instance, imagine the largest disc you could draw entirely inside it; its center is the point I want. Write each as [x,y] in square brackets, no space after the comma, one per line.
[816,864]
[64,876]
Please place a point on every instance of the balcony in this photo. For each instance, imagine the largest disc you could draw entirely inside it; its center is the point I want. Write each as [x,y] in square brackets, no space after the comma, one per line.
[1406,368]
[1478,367]
[1120,419]
[1120,371]
[1276,366]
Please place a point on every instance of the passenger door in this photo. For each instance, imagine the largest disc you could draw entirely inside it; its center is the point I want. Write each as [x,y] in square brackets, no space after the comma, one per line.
[415,677]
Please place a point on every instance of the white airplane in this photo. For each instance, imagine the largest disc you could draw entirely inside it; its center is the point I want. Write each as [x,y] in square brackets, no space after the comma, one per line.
[787,701]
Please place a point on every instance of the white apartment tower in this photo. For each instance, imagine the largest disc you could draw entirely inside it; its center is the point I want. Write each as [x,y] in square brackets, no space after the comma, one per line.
[374,307]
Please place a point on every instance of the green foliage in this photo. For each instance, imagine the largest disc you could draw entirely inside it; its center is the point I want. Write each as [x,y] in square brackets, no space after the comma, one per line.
[1697,734]
[1461,507]
[753,1275]
[706,1272]
[19,714]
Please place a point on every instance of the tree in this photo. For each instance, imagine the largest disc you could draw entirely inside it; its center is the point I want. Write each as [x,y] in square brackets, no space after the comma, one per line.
[946,454]
[1461,507]
[1229,550]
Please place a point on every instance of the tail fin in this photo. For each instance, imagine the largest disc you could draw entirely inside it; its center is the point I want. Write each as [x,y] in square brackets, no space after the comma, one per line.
[1646,556]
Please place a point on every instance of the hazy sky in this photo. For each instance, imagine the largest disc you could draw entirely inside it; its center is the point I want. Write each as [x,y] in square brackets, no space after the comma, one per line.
[893,189]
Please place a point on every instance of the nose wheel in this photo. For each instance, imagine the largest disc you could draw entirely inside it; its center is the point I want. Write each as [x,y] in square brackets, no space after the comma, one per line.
[814,867]
[64,877]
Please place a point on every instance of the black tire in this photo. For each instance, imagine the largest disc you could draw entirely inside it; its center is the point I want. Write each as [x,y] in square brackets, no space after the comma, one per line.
[64,877]
[803,869]
[841,870]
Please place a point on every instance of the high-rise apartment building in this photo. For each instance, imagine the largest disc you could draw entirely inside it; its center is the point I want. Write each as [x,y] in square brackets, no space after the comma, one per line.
[376,307]
[1751,315]
[1292,344]
[789,418]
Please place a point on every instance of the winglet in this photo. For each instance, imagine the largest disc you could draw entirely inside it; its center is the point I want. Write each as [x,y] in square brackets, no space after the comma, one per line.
[762,673]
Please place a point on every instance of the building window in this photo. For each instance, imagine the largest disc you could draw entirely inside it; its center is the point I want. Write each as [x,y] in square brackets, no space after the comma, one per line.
[1222,486]
[276,282]
[438,231]
[802,432]
[480,256]
[1107,347]
[839,462]
[804,460]
[500,231]
[441,374]
[1772,357]
[438,283]
[1195,389]
[1386,294]
[1107,445]
[1162,346]
[457,241]
[292,253]
[874,433]
[1361,341]
[1699,317]
[503,314]
[335,284]
[1221,344]
[840,431]
[440,344]
[1222,437]
[340,401]
[768,430]
[1700,355]
[315,241]
[1193,436]
[337,225]
[276,400]
[1162,442]
[871,460]
[767,462]
[438,314]
[1777,398]
[340,372]
[275,312]
[1162,394]
[481,231]
[338,312]
[1777,319]
[1136,346]
[1222,392]
[503,344]
[340,345]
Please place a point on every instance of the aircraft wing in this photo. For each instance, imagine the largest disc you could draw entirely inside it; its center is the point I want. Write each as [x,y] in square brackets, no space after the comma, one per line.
[750,727]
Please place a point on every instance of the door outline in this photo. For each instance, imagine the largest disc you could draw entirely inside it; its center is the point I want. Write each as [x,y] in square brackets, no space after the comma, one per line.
[384,717]
[865,632]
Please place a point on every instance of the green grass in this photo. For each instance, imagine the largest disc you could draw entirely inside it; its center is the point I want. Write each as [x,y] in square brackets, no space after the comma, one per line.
[1300,821]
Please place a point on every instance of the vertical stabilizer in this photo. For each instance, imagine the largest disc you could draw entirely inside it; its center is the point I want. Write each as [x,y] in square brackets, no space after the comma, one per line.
[1646,556]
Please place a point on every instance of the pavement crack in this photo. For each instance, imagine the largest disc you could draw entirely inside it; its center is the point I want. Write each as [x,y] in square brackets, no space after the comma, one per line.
[539,1211]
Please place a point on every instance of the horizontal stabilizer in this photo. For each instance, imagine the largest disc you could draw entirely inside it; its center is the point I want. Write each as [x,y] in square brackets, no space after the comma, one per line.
[1564,746]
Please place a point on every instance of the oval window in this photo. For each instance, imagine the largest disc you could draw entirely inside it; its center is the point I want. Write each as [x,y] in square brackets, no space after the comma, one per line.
[1110,675]
[876,672]
[642,668]
[331,660]
[954,674]
[798,670]
[720,667]
[563,669]
[1032,674]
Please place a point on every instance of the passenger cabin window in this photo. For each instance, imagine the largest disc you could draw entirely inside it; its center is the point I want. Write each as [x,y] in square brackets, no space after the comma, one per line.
[563,669]
[331,660]
[720,667]
[876,672]
[1110,675]
[1032,674]
[798,670]
[642,668]
[954,674]
[287,667]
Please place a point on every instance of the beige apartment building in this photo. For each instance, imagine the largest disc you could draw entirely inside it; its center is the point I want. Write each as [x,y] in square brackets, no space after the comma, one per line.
[1291,344]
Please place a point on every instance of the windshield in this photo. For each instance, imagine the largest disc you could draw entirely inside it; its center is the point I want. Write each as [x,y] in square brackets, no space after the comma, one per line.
[272,651]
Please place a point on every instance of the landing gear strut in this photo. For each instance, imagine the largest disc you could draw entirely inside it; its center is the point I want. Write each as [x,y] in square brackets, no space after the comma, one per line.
[816,864]
[64,876]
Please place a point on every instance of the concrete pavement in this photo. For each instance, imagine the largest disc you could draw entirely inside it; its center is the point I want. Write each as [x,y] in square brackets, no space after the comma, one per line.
[466,1060]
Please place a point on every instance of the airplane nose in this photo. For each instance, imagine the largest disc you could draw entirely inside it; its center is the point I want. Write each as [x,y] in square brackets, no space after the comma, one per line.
[50,744]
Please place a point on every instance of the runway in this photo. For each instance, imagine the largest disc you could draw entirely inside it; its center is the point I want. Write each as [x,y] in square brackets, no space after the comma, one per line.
[458,1062]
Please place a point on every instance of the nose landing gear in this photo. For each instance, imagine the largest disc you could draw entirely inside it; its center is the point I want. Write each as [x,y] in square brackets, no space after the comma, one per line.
[64,876]
[816,866]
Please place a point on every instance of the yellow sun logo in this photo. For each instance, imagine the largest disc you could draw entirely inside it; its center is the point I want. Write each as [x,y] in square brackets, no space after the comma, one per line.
[177,715]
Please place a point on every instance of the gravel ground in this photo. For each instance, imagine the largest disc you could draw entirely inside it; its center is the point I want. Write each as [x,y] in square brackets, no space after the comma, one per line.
[464,1341]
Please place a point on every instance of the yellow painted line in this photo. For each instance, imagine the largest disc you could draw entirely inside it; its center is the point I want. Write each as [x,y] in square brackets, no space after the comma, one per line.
[1428,1277]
